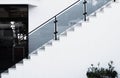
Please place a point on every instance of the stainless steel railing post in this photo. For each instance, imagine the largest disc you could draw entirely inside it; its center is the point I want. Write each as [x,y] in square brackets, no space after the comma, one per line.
[85,9]
[55,28]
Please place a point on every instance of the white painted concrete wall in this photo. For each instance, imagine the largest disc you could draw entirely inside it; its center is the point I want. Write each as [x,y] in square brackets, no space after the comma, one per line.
[28,2]
[13,1]
[93,42]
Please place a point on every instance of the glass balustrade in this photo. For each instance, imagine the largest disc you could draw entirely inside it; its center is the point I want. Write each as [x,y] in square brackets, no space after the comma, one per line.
[70,17]
[41,36]
[93,5]
[62,21]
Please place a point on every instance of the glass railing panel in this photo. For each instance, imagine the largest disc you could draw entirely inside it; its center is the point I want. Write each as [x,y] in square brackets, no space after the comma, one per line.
[65,20]
[41,36]
[93,5]
[70,17]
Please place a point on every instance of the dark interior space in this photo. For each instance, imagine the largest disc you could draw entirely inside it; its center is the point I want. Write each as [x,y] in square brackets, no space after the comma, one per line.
[13,35]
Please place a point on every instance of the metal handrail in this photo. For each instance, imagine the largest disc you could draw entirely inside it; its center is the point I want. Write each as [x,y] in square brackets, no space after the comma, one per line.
[55,16]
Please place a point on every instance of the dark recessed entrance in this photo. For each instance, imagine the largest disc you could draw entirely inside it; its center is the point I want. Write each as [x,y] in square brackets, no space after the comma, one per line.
[13,35]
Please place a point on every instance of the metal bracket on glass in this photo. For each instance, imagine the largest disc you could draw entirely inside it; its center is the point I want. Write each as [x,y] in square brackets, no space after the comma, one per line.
[55,28]
[85,10]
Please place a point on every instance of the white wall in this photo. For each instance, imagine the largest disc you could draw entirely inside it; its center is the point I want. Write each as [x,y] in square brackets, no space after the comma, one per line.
[13,1]
[93,42]
[33,2]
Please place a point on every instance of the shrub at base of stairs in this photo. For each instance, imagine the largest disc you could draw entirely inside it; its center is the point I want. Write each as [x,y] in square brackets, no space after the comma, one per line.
[100,72]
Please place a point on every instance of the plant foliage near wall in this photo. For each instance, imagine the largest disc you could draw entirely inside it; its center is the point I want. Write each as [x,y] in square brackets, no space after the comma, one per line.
[100,72]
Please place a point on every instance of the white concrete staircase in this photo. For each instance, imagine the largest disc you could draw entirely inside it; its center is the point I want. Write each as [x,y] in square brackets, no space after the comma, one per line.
[70,56]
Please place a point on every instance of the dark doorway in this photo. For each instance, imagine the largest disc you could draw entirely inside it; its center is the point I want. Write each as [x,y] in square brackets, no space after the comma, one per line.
[13,35]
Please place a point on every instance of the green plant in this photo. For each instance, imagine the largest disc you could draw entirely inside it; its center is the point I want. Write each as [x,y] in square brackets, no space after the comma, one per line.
[100,72]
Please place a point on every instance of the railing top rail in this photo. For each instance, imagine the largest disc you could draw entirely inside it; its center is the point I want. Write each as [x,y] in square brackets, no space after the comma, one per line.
[54,16]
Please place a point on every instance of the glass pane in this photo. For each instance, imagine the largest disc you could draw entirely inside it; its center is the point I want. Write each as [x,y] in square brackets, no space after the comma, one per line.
[93,5]
[41,36]
[65,21]
[70,17]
